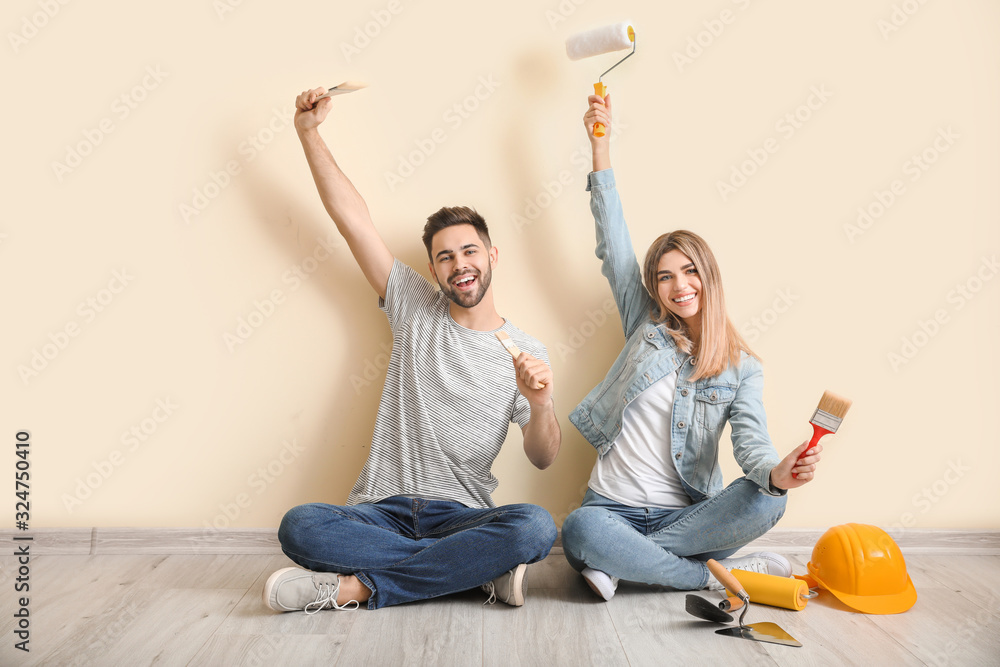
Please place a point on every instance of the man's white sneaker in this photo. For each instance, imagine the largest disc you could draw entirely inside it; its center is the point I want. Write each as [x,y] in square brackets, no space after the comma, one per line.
[600,582]
[508,587]
[295,589]
[764,562]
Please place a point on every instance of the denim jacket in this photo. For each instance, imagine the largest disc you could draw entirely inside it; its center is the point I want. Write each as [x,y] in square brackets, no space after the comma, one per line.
[701,408]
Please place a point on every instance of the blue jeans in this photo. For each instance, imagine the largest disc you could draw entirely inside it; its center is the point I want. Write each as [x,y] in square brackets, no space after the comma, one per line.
[406,549]
[667,547]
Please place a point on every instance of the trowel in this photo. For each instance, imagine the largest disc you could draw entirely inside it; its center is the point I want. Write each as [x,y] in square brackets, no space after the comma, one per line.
[758,632]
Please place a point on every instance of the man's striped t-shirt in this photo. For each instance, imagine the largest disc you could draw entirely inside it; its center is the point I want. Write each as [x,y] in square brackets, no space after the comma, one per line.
[450,394]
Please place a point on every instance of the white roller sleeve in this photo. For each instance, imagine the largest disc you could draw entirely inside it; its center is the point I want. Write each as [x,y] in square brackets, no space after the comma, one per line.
[600,40]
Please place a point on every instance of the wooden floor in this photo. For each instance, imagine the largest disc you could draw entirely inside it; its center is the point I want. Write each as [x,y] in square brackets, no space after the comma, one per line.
[207,610]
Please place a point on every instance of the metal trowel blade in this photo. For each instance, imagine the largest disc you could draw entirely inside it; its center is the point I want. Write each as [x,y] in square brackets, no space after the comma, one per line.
[761,632]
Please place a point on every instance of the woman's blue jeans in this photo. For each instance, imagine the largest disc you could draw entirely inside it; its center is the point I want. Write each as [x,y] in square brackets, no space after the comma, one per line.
[406,549]
[667,547]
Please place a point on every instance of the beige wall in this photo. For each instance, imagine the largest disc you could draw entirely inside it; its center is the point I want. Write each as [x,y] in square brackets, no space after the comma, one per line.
[825,302]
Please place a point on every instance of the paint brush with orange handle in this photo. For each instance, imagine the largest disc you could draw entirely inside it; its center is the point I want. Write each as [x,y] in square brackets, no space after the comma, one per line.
[827,419]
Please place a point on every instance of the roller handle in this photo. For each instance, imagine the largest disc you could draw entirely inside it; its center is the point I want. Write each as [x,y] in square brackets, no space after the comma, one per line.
[727,579]
[818,432]
[601,90]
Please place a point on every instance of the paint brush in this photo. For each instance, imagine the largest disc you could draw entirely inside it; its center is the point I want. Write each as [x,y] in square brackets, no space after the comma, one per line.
[341,88]
[828,417]
[512,347]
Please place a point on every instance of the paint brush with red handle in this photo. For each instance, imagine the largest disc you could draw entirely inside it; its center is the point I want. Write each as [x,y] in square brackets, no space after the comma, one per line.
[827,419]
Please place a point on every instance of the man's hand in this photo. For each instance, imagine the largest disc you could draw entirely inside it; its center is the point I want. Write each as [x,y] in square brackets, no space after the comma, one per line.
[542,435]
[792,473]
[309,113]
[534,379]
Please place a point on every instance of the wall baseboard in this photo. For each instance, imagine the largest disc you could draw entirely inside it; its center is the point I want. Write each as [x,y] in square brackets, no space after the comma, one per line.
[264,541]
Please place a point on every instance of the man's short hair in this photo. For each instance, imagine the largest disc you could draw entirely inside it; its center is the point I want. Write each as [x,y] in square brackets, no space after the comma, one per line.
[449,216]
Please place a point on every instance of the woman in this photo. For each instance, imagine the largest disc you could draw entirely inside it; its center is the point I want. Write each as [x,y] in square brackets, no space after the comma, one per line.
[655,509]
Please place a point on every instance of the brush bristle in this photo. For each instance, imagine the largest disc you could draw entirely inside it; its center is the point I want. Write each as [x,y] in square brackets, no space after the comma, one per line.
[508,343]
[834,405]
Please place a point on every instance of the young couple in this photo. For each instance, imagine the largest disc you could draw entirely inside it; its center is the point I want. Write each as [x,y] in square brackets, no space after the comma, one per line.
[420,521]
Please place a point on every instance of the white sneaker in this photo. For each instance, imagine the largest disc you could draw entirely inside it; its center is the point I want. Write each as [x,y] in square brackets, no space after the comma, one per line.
[509,587]
[764,562]
[296,589]
[601,583]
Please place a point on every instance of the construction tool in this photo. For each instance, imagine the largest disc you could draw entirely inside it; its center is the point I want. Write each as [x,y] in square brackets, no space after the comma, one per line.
[759,632]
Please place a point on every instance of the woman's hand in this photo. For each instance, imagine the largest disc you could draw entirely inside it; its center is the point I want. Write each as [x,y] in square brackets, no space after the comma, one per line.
[599,112]
[792,473]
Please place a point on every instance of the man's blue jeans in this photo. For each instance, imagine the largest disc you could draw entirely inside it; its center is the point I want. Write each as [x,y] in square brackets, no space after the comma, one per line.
[406,549]
[667,547]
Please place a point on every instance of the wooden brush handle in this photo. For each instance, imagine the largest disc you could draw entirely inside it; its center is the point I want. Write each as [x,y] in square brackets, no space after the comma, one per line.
[726,577]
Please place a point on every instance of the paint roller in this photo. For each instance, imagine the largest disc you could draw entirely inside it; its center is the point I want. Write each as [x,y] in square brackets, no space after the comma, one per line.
[597,41]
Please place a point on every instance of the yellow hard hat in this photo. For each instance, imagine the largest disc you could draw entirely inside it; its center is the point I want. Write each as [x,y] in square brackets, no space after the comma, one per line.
[864,568]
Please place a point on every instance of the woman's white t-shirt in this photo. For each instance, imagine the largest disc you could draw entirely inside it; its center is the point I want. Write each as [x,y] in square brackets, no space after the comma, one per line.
[639,470]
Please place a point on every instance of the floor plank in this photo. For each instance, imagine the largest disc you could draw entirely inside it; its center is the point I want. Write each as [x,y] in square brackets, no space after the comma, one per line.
[150,626]
[442,631]
[554,627]
[216,571]
[976,578]
[66,593]
[944,628]
[652,623]
[270,650]
[207,610]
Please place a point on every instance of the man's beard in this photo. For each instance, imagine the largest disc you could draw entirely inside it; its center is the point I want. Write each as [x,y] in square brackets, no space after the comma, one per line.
[469,299]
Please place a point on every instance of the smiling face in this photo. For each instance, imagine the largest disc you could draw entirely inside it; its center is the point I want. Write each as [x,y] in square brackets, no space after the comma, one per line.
[679,286]
[462,264]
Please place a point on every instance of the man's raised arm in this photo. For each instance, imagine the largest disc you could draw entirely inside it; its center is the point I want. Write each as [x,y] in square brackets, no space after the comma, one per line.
[342,201]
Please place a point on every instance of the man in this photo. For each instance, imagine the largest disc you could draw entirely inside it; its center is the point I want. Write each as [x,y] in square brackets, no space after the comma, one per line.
[420,521]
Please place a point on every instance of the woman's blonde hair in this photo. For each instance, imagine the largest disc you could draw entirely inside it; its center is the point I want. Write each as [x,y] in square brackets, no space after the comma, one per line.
[720,343]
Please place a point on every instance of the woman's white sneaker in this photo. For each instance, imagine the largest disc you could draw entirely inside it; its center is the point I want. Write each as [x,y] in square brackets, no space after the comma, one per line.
[600,582]
[764,562]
